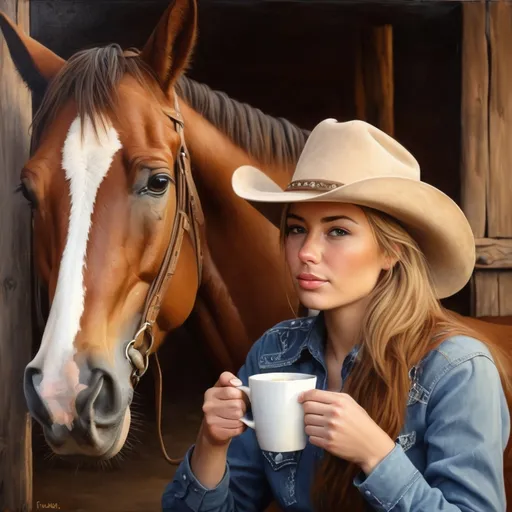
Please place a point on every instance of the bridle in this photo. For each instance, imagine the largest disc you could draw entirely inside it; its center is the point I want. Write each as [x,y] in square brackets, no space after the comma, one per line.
[189,219]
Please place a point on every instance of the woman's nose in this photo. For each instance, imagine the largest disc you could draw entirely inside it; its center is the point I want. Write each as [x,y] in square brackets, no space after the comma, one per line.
[310,252]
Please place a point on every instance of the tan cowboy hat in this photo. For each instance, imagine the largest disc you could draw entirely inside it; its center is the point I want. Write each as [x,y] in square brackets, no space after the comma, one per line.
[355,162]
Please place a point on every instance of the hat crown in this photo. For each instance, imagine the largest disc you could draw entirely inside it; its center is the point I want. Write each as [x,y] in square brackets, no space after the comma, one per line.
[353,151]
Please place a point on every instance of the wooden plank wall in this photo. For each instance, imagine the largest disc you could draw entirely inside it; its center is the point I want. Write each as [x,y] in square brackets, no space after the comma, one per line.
[15,282]
[486,173]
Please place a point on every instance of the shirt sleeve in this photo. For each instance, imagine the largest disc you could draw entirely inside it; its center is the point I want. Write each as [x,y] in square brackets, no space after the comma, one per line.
[468,425]
[244,487]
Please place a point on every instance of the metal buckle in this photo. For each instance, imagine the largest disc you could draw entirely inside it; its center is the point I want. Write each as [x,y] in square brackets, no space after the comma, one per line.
[139,361]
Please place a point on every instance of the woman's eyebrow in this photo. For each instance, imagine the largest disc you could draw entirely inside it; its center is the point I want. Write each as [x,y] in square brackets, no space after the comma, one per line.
[324,220]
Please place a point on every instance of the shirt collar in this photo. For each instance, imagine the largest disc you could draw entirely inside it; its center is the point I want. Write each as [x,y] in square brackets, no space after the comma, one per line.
[316,339]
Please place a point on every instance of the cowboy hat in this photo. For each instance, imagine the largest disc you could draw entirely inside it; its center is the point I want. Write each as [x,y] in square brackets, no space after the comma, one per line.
[355,162]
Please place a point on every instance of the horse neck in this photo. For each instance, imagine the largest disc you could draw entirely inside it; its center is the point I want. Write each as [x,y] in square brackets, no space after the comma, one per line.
[215,156]
[239,240]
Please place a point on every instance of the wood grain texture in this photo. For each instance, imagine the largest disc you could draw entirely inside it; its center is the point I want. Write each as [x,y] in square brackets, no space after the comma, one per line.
[499,192]
[15,282]
[493,253]
[474,116]
[486,293]
[505,293]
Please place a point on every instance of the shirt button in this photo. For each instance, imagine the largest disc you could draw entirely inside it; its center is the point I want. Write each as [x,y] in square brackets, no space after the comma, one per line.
[184,477]
[367,493]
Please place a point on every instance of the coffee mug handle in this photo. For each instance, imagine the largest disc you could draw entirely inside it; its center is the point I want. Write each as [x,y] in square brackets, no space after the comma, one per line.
[245,419]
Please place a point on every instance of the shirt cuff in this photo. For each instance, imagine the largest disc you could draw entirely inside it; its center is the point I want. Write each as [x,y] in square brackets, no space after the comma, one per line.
[386,485]
[186,487]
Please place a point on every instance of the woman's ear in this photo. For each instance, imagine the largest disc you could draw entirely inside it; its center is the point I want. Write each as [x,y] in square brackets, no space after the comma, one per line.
[390,260]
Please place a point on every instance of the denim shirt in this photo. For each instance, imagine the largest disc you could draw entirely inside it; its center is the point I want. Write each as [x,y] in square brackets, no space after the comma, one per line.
[448,456]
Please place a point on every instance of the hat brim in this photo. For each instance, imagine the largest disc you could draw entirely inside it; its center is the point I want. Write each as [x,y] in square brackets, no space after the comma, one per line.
[431,217]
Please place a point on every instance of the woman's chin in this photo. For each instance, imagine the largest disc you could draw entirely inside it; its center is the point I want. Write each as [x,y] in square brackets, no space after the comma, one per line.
[310,301]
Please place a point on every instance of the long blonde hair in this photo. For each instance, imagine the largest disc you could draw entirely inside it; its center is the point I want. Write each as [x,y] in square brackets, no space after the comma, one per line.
[404,320]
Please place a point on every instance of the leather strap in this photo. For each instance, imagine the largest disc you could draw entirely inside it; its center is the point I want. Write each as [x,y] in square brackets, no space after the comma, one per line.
[157,373]
[189,218]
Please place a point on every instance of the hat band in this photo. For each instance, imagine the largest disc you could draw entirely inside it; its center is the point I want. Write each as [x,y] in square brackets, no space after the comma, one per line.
[313,185]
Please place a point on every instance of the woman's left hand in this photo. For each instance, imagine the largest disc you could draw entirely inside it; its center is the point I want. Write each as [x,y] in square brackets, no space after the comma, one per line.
[338,424]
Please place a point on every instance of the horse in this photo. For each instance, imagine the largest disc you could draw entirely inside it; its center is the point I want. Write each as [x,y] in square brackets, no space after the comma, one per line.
[136,227]
[120,239]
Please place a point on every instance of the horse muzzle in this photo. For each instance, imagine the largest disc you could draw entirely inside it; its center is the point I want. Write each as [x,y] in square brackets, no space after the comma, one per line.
[91,418]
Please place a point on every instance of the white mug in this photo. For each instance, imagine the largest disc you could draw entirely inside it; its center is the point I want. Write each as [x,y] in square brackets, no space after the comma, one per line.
[278,417]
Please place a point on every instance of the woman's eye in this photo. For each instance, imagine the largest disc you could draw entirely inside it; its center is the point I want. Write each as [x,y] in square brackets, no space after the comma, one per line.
[338,232]
[157,184]
[294,230]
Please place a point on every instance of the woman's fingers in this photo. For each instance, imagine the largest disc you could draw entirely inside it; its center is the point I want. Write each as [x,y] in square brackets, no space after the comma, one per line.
[318,408]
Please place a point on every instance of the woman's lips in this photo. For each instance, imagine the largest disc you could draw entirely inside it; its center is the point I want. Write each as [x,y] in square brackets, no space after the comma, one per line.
[310,281]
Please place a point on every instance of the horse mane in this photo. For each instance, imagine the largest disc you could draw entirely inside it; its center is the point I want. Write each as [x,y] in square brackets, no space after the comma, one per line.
[264,137]
[91,78]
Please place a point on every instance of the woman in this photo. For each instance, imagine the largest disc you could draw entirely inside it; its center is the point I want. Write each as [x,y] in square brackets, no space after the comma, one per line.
[410,412]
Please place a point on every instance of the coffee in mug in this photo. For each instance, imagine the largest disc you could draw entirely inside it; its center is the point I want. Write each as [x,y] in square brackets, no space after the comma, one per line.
[278,417]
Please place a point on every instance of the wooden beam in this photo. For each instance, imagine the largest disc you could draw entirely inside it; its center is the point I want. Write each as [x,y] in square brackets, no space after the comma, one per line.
[499,192]
[474,116]
[15,281]
[493,253]
[374,81]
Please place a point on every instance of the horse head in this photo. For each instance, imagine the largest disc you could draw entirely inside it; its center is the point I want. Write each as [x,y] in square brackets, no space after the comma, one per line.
[115,218]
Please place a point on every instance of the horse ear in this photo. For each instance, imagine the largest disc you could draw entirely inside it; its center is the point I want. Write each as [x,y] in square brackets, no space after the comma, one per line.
[35,63]
[169,48]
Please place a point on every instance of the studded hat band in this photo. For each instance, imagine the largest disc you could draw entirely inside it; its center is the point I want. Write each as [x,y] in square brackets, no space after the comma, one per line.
[313,185]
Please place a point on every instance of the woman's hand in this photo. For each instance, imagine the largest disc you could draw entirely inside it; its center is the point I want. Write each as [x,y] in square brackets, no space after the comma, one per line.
[223,407]
[338,424]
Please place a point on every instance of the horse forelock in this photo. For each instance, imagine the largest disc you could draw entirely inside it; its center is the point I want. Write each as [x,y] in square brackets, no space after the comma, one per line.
[91,78]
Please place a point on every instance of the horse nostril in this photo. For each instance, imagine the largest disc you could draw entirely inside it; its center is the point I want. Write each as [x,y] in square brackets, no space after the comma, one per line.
[31,381]
[101,400]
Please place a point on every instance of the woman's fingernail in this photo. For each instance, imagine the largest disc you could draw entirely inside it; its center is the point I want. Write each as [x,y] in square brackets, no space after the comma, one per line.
[236,382]
[300,397]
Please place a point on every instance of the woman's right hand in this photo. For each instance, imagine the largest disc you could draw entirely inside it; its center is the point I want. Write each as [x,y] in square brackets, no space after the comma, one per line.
[223,407]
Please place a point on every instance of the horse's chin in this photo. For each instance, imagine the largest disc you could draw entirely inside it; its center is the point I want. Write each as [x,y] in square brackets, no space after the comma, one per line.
[94,444]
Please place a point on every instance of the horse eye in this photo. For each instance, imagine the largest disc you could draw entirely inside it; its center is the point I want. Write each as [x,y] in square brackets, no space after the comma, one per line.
[26,193]
[158,183]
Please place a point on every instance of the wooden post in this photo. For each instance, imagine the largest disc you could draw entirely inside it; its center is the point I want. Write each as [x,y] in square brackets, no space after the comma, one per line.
[499,193]
[486,131]
[474,112]
[15,281]
[475,147]
[374,82]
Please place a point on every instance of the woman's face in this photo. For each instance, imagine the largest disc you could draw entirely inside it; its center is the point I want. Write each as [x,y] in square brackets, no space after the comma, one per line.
[332,254]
